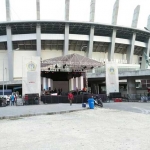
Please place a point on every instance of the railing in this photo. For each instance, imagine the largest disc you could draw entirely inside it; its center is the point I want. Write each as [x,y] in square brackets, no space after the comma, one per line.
[121,68]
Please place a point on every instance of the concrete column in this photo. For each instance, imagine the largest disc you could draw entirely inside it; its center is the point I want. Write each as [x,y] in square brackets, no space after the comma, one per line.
[130,49]
[41,80]
[90,45]
[10,53]
[66,40]
[38,9]
[145,56]
[67,6]
[71,84]
[92,10]
[115,12]
[52,84]
[76,82]
[131,86]
[49,83]
[111,49]
[38,39]
[148,23]
[135,17]
[91,36]
[9,42]
[44,83]
[8,17]
[80,83]
[97,89]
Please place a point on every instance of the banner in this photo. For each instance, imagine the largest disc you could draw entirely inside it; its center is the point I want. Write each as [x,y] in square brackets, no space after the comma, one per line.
[112,81]
[31,75]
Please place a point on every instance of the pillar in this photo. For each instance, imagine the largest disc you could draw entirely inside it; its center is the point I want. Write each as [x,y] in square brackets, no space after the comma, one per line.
[97,89]
[8,17]
[9,42]
[90,45]
[131,86]
[71,84]
[148,23]
[44,83]
[80,83]
[145,55]
[38,39]
[38,9]
[111,49]
[9,52]
[91,36]
[50,83]
[76,80]
[130,49]
[66,40]
[135,17]
[38,29]
[115,12]
[41,83]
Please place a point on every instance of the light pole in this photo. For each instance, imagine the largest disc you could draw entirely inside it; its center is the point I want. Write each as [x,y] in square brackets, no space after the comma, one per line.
[6,78]
[83,47]
[3,78]
[146,29]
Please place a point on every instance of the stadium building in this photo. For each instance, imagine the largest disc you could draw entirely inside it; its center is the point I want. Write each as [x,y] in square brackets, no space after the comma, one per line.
[127,46]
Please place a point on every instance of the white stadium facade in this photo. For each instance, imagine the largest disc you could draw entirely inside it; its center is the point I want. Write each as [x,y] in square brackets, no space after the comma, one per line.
[127,46]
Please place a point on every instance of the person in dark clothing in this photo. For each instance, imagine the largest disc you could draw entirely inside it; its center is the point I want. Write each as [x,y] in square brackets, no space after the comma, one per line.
[55,91]
[59,91]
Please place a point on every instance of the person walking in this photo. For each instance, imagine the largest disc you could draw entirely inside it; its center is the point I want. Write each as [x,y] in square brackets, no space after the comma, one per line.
[70,98]
[12,99]
[15,99]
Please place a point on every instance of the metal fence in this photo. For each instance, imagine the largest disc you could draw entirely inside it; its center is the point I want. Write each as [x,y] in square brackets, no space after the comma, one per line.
[49,99]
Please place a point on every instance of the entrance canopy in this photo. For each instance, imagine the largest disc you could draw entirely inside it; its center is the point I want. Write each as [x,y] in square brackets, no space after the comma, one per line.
[72,61]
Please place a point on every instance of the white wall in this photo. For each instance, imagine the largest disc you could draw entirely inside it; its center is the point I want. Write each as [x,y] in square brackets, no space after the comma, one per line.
[82,53]
[18,59]
[46,54]
[3,57]
[101,56]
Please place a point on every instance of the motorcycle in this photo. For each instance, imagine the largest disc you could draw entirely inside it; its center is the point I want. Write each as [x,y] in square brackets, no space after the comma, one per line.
[98,101]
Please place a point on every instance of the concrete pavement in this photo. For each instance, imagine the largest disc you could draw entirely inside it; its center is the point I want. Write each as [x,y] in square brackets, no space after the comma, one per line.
[49,109]
[33,110]
[137,107]
[85,130]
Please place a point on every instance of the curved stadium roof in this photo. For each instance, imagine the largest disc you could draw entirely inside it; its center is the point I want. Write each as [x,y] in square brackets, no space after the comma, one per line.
[58,27]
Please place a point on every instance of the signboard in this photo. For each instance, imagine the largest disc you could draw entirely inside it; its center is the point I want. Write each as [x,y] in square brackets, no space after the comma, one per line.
[31,75]
[112,82]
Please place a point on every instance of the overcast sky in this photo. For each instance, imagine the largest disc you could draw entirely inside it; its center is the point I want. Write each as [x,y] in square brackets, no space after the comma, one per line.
[79,10]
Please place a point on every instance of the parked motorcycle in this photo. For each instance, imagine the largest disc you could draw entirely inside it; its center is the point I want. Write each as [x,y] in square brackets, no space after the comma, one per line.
[98,101]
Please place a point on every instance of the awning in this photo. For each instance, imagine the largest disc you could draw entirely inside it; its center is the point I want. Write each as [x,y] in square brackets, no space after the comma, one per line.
[71,61]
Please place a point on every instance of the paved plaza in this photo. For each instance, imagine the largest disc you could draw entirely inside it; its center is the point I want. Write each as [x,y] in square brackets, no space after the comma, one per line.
[96,129]
[32,110]
[45,109]
[138,107]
